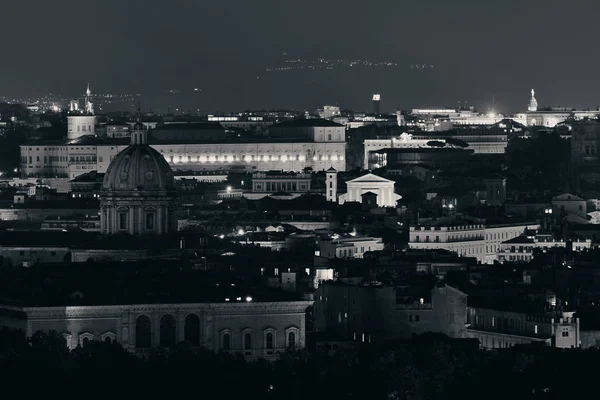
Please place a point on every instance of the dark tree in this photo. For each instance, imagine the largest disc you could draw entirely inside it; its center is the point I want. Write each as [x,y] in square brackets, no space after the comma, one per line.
[436,143]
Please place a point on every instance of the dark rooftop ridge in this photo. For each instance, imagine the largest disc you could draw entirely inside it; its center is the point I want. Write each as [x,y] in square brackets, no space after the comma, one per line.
[306,123]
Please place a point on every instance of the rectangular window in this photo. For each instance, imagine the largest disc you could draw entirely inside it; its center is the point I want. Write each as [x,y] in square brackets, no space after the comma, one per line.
[565,334]
[149,221]
[123,221]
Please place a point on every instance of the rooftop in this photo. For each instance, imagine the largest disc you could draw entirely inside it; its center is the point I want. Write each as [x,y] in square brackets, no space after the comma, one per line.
[190,126]
[44,238]
[423,150]
[305,123]
[90,140]
[120,283]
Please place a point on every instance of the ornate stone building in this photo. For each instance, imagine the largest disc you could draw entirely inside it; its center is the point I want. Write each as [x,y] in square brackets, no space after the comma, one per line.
[138,192]
[206,146]
[255,329]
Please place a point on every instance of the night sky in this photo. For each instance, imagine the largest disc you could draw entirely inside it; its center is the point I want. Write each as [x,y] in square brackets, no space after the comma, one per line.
[481,51]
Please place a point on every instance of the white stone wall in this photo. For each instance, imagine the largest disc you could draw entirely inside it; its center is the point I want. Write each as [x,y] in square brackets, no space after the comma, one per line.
[384,191]
[79,125]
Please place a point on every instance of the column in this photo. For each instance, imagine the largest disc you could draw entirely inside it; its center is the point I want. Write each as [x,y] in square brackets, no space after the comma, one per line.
[180,326]
[131,215]
[155,329]
[159,219]
[102,221]
[113,224]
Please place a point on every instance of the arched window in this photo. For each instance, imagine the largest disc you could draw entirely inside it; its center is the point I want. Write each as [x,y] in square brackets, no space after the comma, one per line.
[192,330]
[143,332]
[269,341]
[85,341]
[248,341]
[226,342]
[168,330]
[108,337]
[292,340]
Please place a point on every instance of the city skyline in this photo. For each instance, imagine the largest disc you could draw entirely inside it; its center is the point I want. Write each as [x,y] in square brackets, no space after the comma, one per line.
[220,57]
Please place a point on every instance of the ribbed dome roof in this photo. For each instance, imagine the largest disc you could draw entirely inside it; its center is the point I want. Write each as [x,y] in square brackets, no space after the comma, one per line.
[138,168]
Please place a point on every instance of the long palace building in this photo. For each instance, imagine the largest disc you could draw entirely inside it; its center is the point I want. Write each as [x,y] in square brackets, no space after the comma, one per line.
[288,146]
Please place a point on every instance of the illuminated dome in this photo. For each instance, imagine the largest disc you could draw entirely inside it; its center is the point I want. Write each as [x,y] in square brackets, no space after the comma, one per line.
[138,194]
[138,168]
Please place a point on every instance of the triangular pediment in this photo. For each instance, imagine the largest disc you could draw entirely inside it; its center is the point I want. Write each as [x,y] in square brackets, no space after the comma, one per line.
[369,178]
[566,197]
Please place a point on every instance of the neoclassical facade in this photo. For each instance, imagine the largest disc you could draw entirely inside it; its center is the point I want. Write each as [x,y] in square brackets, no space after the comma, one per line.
[138,194]
[255,329]
[382,188]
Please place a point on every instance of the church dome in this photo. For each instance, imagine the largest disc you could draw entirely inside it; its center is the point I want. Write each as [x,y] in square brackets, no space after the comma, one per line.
[138,168]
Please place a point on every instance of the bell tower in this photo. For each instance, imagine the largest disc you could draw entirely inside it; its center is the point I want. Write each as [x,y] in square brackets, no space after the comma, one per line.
[331,185]
[89,106]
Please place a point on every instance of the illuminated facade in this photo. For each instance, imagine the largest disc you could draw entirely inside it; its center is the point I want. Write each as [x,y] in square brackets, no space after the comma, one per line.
[481,141]
[382,188]
[551,117]
[291,146]
[476,240]
[82,122]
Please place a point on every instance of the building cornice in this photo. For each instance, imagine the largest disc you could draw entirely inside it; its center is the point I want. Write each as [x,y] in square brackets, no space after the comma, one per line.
[251,308]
